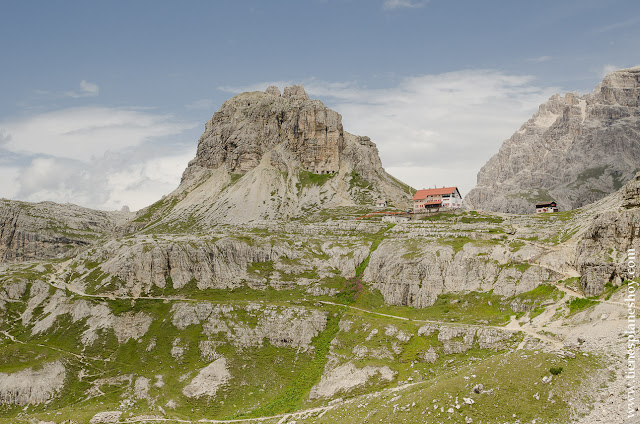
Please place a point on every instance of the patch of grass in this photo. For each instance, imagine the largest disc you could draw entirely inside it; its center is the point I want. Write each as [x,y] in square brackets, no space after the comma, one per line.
[306,179]
[512,392]
[555,370]
[292,397]
[535,312]
[439,216]
[350,291]
[456,243]
[261,269]
[542,292]
[477,218]
[532,238]
[579,304]
[516,245]
[377,239]
[472,308]
[149,212]
[234,177]
[610,289]
[522,266]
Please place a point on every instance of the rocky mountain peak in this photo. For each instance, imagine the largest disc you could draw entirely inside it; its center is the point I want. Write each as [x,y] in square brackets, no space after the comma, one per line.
[620,87]
[269,155]
[306,133]
[295,92]
[575,150]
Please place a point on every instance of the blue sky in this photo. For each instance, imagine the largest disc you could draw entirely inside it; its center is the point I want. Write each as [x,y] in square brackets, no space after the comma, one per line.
[103,102]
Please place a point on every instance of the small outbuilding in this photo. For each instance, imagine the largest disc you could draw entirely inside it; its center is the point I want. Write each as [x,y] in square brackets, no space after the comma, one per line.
[381,203]
[547,207]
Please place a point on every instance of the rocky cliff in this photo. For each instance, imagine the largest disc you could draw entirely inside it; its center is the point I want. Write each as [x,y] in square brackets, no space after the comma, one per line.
[574,150]
[266,156]
[602,251]
[252,124]
[47,230]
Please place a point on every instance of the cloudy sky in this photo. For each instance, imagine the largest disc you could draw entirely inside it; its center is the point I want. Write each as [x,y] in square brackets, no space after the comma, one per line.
[103,102]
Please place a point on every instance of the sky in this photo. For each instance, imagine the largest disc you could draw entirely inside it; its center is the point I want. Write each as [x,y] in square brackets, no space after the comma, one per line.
[103,103]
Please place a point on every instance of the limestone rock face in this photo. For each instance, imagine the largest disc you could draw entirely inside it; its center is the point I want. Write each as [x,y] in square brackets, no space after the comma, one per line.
[574,150]
[106,417]
[347,377]
[208,380]
[631,193]
[602,251]
[281,327]
[223,264]
[32,387]
[46,230]
[252,124]
[416,278]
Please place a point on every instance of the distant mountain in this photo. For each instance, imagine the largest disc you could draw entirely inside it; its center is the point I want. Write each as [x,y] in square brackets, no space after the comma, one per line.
[266,156]
[574,150]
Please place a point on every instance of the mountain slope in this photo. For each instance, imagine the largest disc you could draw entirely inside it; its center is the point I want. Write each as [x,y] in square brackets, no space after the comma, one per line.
[264,156]
[574,150]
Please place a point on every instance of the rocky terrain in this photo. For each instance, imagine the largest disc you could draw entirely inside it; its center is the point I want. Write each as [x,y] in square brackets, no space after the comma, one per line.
[218,303]
[47,230]
[574,150]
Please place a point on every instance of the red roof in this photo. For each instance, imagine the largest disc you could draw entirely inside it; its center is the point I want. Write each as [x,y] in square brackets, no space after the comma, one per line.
[422,194]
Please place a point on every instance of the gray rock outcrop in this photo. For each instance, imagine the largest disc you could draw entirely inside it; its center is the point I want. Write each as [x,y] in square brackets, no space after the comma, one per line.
[416,278]
[281,327]
[106,417]
[48,230]
[32,386]
[347,377]
[208,380]
[251,124]
[602,251]
[574,150]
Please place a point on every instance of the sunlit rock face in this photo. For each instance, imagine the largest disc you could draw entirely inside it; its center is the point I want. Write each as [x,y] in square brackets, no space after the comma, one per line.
[574,150]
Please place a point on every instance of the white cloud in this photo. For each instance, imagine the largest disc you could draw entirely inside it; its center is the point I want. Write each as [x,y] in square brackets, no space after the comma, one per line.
[619,25]
[200,104]
[434,129]
[8,181]
[539,59]
[607,69]
[396,4]
[144,183]
[129,178]
[86,132]
[4,137]
[87,89]
[96,157]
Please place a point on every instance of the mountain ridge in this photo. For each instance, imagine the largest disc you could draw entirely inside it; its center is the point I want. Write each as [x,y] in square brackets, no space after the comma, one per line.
[574,150]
